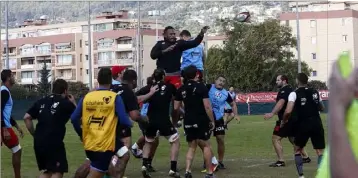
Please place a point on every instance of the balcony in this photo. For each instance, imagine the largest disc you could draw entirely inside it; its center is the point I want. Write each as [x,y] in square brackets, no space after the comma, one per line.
[111,62]
[125,47]
[43,52]
[27,66]
[11,53]
[41,65]
[27,81]
[63,47]
[66,77]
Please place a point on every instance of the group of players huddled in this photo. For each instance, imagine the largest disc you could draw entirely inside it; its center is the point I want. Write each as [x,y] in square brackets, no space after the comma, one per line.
[175,91]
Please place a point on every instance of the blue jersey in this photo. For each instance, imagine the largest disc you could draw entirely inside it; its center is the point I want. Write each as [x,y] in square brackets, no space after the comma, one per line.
[193,56]
[219,98]
[7,108]
[144,110]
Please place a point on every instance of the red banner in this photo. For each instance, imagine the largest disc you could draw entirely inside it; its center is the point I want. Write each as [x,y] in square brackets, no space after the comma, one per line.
[268,97]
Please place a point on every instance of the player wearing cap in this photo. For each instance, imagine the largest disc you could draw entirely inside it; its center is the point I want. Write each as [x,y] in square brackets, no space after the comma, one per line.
[168,53]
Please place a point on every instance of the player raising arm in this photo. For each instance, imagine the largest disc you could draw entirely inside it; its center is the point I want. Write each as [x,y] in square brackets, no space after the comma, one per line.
[168,53]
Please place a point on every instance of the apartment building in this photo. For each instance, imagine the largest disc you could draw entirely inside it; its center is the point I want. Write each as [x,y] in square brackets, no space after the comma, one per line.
[63,48]
[326,30]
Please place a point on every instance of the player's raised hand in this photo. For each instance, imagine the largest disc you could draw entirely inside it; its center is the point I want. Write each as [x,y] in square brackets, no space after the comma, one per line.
[205,29]
[343,90]
[268,116]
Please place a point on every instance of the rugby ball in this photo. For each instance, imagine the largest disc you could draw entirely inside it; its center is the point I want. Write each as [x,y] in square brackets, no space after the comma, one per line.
[243,17]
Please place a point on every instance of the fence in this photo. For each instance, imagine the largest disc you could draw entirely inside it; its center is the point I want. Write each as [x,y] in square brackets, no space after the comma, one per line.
[21,106]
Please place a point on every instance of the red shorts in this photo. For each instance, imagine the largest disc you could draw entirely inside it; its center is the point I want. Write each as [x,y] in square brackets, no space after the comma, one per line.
[175,80]
[13,141]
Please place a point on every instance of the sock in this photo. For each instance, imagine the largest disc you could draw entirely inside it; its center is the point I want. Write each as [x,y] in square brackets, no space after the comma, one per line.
[145,162]
[134,146]
[299,164]
[173,166]
[150,161]
[214,160]
[319,159]
[210,174]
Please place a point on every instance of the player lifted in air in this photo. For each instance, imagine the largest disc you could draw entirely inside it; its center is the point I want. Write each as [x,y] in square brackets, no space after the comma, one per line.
[102,111]
[159,120]
[219,97]
[198,119]
[168,53]
[280,130]
[306,103]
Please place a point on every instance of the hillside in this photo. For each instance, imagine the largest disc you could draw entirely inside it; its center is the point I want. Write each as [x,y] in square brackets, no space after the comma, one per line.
[182,15]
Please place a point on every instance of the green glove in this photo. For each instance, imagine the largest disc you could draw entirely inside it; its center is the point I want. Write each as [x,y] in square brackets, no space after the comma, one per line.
[351,121]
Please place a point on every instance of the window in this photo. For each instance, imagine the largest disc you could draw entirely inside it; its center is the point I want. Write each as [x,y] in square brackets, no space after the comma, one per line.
[27,49]
[60,46]
[313,55]
[27,74]
[314,73]
[86,57]
[65,59]
[105,43]
[80,71]
[44,48]
[105,56]
[313,23]
[80,43]
[313,40]
[344,38]
[87,71]
[344,21]
[86,43]
[80,57]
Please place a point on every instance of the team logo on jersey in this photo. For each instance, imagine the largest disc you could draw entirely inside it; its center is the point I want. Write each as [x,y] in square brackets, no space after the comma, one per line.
[53,107]
[96,120]
[107,99]
[163,87]
[218,94]
[183,93]
[315,96]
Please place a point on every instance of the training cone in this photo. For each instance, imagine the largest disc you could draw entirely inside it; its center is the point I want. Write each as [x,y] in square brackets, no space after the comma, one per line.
[346,69]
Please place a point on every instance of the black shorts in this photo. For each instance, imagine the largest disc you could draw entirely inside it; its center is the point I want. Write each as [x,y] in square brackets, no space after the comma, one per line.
[197,131]
[164,126]
[310,128]
[288,129]
[229,111]
[101,160]
[125,131]
[219,127]
[51,159]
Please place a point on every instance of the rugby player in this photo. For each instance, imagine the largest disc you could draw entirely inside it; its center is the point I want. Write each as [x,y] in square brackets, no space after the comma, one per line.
[281,132]
[159,120]
[306,104]
[193,56]
[102,111]
[342,91]
[8,136]
[218,97]
[137,148]
[198,118]
[168,53]
[229,115]
[52,113]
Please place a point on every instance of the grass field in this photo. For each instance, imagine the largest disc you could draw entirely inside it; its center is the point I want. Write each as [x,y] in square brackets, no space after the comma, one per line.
[248,153]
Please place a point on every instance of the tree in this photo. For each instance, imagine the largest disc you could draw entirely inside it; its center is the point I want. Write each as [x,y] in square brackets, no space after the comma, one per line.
[77,89]
[318,85]
[253,55]
[44,86]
